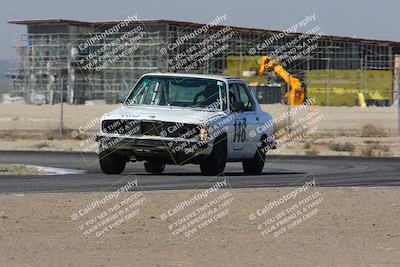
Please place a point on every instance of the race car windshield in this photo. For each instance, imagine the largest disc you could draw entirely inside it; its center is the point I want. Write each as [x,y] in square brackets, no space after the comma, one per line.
[180,92]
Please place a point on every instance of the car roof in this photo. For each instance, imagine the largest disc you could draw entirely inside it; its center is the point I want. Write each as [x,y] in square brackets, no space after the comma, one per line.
[204,76]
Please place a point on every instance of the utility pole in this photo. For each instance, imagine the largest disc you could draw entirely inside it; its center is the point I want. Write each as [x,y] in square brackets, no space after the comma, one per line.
[328,84]
[398,99]
[61,106]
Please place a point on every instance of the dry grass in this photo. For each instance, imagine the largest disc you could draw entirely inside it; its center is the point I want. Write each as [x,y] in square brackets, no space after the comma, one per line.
[280,129]
[312,152]
[372,130]
[11,169]
[41,145]
[367,151]
[346,147]
[307,145]
[375,149]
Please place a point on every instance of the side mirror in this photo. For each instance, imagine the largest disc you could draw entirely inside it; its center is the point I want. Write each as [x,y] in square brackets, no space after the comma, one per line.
[237,106]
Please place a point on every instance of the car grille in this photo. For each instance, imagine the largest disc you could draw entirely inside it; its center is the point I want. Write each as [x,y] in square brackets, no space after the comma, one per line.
[150,128]
[126,127]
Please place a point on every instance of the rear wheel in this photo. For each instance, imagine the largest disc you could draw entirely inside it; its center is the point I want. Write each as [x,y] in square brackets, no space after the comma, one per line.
[215,163]
[111,162]
[154,167]
[255,165]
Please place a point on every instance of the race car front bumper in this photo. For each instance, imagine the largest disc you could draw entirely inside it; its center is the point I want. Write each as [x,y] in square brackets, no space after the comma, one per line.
[155,146]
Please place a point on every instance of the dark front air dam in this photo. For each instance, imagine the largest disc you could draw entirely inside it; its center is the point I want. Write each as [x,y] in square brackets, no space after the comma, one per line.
[167,149]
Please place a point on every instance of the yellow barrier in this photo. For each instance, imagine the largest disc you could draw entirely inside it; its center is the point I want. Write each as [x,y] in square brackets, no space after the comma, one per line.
[342,87]
[328,87]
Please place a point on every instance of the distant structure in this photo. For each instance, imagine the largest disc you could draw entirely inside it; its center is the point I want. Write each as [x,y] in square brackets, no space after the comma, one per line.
[58,54]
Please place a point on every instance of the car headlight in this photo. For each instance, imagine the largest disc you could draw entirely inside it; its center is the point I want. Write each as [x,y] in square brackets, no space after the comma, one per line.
[203,134]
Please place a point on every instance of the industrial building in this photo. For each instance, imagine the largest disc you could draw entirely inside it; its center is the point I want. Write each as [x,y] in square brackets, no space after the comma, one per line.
[55,55]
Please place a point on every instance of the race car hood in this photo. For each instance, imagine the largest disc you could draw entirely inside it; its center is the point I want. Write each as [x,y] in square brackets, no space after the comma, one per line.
[165,114]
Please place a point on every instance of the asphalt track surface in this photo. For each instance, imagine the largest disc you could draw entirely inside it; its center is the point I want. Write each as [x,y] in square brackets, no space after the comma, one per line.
[279,171]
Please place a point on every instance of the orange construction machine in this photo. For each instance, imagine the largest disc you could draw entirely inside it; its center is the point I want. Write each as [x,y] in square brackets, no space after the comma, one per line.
[296,95]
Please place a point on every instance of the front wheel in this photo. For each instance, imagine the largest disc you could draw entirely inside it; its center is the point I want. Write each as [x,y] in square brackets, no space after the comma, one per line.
[154,167]
[215,163]
[111,162]
[255,165]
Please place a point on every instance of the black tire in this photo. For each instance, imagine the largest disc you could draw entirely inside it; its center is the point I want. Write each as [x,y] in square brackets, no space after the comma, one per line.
[215,163]
[154,167]
[255,165]
[111,162]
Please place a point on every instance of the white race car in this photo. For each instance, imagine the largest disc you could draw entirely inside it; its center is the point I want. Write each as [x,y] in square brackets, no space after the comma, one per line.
[171,118]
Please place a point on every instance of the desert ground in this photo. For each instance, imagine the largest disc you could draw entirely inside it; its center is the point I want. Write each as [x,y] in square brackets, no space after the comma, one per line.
[371,131]
[353,227]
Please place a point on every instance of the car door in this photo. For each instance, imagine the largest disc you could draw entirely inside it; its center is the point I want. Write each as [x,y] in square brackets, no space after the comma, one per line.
[238,135]
[249,121]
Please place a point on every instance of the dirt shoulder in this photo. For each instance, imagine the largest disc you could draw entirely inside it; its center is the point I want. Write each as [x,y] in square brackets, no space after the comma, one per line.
[353,227]
[13,169]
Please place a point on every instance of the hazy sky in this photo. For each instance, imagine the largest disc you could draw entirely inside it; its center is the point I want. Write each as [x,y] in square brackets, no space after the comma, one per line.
[361,18]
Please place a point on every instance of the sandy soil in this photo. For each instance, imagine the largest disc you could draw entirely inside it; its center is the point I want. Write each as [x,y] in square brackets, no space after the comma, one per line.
[353,227]
[387,146]
[46,117]
[347,120]
[29,127]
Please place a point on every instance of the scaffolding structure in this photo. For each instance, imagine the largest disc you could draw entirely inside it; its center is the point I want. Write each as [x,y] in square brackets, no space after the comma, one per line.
[50,52]
[45,59]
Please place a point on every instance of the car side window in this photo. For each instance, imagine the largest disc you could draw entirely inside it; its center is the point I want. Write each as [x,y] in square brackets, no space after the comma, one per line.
[245,97]
[232,94]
